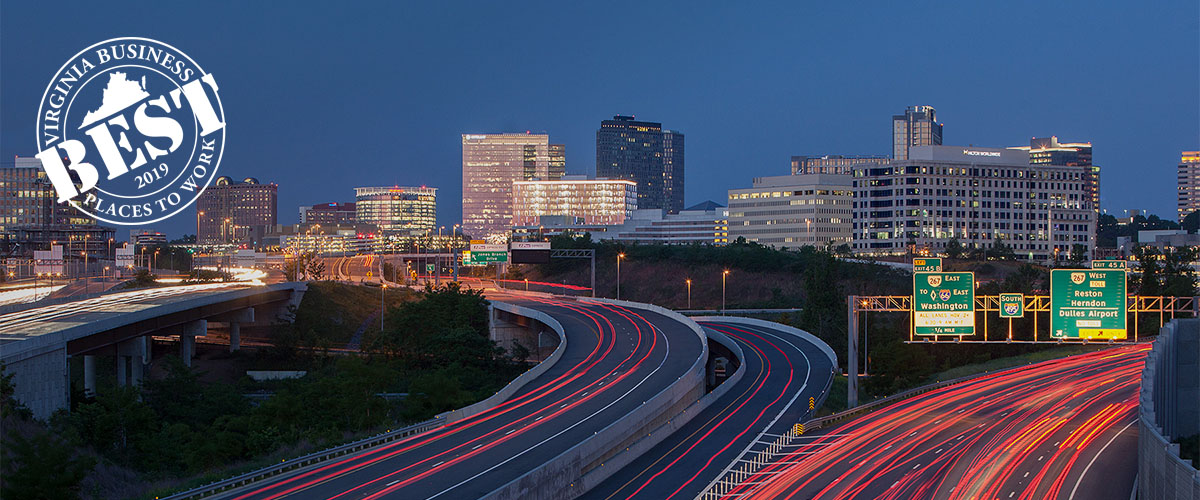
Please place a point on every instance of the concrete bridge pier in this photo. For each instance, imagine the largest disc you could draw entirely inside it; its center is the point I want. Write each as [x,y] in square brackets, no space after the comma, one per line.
[187,339]
[132,356]
[235,320]
[89,375]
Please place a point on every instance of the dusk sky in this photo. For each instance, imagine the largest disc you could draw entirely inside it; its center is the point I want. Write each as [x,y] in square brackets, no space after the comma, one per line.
[323,97]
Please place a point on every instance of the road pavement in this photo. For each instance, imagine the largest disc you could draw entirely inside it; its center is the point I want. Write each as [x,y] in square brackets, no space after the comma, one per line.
[1059,429]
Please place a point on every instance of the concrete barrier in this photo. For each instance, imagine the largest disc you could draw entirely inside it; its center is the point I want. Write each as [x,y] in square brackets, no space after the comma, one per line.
[807,337]
[1167,407]
[583,466]
[512,387]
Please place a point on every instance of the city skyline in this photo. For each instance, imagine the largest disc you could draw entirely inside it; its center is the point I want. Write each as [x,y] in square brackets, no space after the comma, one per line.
[747,104]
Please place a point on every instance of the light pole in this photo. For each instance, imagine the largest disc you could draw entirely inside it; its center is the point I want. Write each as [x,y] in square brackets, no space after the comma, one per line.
[619,257]
[86,288]
[723,275]
[382,288]
[689,294]
[526,284]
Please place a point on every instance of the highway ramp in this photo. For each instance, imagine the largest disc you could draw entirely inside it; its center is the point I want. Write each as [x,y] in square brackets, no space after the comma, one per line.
[616,359]
[783,369]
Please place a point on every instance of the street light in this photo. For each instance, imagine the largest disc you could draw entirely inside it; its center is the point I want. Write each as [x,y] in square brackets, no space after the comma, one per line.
[689,287]
[619,257]
[723,275]
[526,284]
[382,288]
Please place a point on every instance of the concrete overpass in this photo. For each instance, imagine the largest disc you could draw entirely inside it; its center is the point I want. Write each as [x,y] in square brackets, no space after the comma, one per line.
[36,345]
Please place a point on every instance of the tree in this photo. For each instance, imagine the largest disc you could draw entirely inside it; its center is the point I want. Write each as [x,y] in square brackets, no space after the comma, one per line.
[316,268]
[843,250]
[291,268]
[41,467]
[954,249]
[1078,255]
[1001,251]
[1192,222]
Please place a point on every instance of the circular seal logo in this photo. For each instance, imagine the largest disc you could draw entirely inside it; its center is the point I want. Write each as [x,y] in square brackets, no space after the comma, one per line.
[130,131]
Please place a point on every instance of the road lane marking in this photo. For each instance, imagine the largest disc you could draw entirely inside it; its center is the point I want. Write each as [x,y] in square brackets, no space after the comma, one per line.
[1098,453]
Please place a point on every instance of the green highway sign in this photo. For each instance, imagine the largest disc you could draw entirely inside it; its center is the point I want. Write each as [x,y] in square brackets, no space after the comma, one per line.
[944,303]
[1012,305]
[1108,264]
[1087,304]
[429,268]
[485,257]
[927,265]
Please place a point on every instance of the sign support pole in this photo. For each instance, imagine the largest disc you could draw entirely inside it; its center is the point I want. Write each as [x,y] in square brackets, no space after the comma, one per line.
[852,355]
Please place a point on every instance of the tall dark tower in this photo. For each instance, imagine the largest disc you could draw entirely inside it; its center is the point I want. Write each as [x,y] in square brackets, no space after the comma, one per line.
[642,152]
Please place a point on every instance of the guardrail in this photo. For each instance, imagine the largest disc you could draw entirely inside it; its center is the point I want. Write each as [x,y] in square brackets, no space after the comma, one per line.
[304,461]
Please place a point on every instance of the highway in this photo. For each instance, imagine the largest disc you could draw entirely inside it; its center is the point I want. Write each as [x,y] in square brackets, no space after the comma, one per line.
[782,373]
[615,359]
[1059,429]
[21,325]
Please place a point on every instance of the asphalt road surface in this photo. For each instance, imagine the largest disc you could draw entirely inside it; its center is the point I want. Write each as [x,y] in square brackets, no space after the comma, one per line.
[782,373]
[1058,429]
[615,359]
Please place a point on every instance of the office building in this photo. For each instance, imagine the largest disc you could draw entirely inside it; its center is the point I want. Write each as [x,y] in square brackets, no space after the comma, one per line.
[979,196]
[396,209]
[673,170]
[834,164]
[329,214]
[595,201]
[32,219]
[490,165]
[1048,151]
[792,211]
[228,211]
[705,223]
[918,126]
[643,152]
[1188,177]
[147,237]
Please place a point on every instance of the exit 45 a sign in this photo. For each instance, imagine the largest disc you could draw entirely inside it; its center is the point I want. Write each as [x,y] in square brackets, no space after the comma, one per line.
[1087,304]
[944,303]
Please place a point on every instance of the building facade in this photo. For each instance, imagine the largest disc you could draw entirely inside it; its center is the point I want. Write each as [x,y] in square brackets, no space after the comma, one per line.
[705,223]
[490,165]
[32,219]
[228,211]
[1188,178]
[329,214]
[595,201]
[918,126]
[395,209]
[792,211]
[834,164]
[1048,151]
[644,153]
[979,196]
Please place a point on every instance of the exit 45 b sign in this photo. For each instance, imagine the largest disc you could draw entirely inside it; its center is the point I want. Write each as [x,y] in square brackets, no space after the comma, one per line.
[944,303]
[1087,304]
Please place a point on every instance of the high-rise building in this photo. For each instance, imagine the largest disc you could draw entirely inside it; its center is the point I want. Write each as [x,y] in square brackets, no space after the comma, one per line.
[792,211]
[833,164]
[397,209]
[32,219]
[228,211]
[979,196]
[596,201]
[918,126]
[642,152]
[673,169]
[490,165]
[1189,183]
[1048,151]
[328,214]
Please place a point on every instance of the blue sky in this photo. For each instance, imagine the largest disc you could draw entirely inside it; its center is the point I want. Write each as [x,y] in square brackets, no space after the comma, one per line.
[323,97]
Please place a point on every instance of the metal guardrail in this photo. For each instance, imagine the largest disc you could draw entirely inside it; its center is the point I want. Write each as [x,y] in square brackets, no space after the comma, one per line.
[304,461]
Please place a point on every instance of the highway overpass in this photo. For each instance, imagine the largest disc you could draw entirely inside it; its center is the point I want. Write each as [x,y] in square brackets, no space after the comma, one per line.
[36,344]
